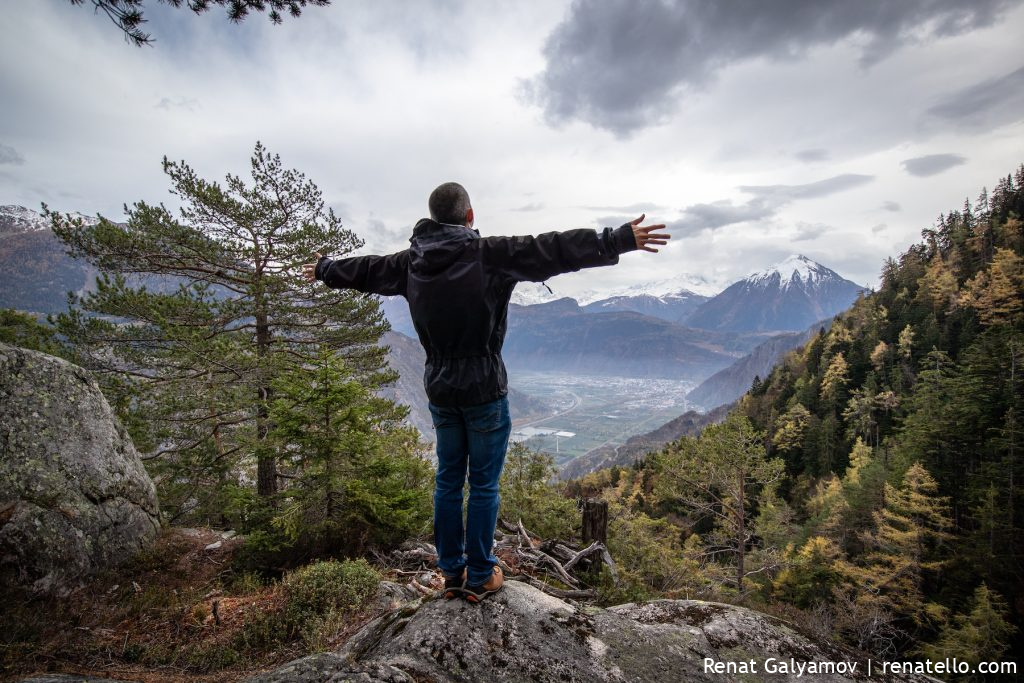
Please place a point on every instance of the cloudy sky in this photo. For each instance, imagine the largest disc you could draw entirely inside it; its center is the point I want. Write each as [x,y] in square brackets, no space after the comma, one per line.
[830,128]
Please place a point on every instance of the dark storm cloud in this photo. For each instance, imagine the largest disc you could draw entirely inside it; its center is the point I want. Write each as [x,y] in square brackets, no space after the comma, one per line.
[622,65]
[986,104]
[9,155]
[820,188]
[931,164]
[811,155]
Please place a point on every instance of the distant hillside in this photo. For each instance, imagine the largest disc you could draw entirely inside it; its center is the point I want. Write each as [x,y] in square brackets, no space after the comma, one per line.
[725,386]
[690,422]
[789,296]
[35,273]
[561,336]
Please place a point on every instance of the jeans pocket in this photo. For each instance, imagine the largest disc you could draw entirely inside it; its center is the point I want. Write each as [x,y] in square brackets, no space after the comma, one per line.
[489,417]
[444,417]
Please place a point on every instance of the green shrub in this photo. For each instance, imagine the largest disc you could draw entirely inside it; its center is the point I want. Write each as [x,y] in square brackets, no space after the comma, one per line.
[527,493]
[210,658]
[262,630]
[322,587]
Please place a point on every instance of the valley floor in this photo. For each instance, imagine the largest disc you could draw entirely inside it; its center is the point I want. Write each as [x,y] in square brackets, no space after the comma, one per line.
[596,410]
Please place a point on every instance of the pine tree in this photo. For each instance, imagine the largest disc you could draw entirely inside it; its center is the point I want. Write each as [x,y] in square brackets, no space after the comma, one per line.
[355,472]
[902,547]
[527,493]
[862,487]
[827,510]
[127,15]
[939,286]
[193,357]
[792,428]
[982,635]
[721,475]
[835,379]
[810,574]
[998,293]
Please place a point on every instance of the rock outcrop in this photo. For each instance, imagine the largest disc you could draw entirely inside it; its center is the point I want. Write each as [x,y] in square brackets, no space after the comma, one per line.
[74,495]
[522,634]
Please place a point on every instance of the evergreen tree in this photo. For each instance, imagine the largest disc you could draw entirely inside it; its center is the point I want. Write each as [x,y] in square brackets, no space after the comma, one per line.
[997,294]
[721,475]
[810,574]
[527,493]
[193,358]
[982,635]
[127,15]
[902,548]
[356,478]
[827,510]
[24,330]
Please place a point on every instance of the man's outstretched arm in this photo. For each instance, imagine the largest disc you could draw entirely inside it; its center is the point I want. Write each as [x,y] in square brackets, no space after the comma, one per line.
[373,274]
[546,255]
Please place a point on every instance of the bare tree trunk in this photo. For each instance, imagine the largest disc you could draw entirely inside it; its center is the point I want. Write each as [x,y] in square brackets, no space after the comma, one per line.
[266,465]
[595,521]
[741,536]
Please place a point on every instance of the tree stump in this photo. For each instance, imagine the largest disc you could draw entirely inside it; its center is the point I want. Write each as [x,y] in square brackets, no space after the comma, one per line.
[595,521]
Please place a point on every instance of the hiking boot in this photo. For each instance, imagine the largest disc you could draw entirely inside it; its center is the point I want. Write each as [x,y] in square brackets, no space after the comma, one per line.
[454,586]
[475,594]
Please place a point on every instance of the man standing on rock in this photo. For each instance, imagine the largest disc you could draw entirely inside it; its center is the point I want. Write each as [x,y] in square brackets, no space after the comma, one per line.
[458,285]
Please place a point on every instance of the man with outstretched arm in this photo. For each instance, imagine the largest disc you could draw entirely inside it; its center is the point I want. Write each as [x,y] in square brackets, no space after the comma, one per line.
[458,285]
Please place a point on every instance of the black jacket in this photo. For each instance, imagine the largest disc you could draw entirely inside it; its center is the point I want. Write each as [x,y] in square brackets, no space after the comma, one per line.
[458,286]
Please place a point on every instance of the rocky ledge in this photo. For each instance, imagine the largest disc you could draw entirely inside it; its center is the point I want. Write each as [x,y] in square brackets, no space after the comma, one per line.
[523,634]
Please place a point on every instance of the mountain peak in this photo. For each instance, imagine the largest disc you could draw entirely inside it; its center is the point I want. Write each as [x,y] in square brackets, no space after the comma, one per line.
[795,267]
[789,296]
[16,218]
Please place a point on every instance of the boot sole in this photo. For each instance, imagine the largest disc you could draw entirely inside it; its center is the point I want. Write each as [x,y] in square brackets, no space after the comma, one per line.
[477,598]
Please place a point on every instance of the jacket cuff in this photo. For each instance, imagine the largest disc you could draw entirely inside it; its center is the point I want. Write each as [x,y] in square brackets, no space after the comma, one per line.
[321,267]
[624,239]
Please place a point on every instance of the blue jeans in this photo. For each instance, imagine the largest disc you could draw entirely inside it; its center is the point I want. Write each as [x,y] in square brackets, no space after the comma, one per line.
[472,439]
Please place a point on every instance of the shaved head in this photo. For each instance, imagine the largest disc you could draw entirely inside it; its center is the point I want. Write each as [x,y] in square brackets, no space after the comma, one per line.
[449,203]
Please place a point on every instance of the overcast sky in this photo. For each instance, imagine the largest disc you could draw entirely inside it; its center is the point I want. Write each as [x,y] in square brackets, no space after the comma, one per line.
[830,128]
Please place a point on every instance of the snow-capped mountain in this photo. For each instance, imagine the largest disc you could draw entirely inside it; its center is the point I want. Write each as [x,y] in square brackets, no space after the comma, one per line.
[673,299]
[788,296]
[674,307]
[795,270]
[530,293]
[679,284]
[14,218]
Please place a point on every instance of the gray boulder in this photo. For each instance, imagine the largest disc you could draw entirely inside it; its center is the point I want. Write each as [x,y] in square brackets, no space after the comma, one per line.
[522,634]
[74,495]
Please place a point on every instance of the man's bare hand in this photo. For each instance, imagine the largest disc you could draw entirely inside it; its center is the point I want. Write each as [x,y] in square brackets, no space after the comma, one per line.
[645,234]
[309,269]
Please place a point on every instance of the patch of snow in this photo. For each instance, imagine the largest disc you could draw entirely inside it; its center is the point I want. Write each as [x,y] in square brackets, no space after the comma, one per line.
[681,286]
[26,220]
[530,293]
[794,269]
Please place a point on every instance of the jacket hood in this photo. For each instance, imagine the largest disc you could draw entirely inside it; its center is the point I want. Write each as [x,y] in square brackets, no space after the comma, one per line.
[435,245]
